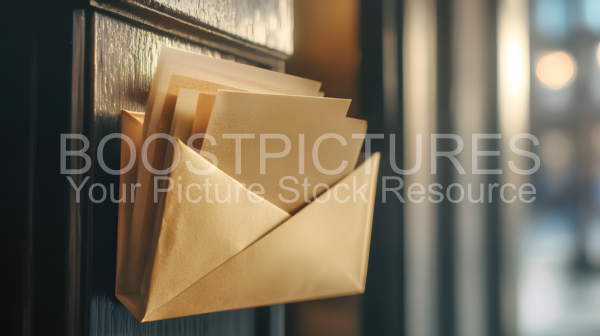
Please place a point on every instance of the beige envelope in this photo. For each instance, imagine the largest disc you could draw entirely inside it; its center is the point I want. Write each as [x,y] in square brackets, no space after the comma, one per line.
[214,256]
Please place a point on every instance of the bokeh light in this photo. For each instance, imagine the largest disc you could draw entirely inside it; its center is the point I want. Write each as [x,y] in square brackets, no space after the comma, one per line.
[555,70]
[598,54]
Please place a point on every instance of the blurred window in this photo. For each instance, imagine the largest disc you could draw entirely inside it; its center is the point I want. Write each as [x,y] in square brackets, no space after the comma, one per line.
[552,19]
[591,13]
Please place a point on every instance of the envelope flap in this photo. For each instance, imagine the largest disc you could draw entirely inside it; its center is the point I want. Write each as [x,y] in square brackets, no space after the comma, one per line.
[131,127]
[320,252]
[207,220]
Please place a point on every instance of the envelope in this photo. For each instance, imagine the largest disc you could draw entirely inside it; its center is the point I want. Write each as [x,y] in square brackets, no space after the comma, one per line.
[210,257]
[198,237]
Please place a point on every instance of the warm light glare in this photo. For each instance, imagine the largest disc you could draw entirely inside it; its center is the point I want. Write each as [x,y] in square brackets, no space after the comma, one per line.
[555,70]
[513,67]
[515,70]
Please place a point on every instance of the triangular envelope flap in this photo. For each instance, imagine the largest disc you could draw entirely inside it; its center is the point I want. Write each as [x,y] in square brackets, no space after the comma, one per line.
[202,227]
[320,252]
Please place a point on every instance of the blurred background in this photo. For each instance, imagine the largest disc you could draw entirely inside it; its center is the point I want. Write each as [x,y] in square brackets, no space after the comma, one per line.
[465,67]
[412,68]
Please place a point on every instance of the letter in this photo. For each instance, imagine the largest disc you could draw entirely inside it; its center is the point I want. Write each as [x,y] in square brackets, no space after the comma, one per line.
[91,193]
[77,190]
[419,158]
[288,189]
[315,192]
[367,138]
[502,193]
[263,149]
[205,154]
[437,193]
[228,198]
[238,148]
[187,192]
[491,187]
[112,192]
[522,192]
[335,194]
[157,189]
[64,153]
[450,155]
[518,151]
[315,154]
[207,186]
[358,191]
[481,194]
[477,153]
[462,192]
[305,184]
[394,190]
[410,192]
[133,187]
[252,193]
[100,154]
[145,154]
